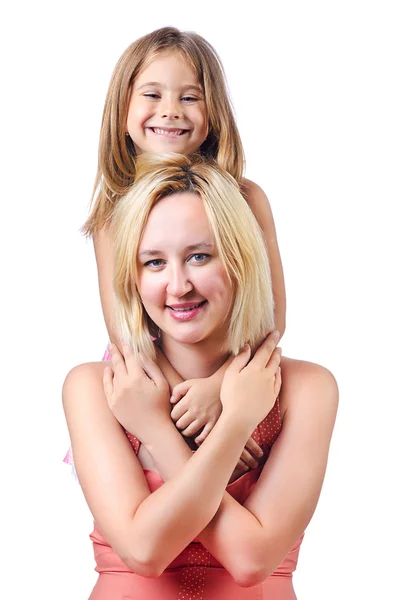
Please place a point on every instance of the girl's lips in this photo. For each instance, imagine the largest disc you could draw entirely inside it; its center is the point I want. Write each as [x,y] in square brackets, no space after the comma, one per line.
[186,313]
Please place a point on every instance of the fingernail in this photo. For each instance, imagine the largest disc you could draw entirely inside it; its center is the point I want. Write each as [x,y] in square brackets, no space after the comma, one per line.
[172,399]
[260,452]
[277,334]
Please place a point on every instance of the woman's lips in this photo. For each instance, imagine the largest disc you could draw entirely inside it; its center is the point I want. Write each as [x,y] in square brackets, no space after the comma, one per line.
[187,311]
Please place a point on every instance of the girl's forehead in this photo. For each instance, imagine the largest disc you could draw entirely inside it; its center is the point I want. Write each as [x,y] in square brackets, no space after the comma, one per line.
[167,62]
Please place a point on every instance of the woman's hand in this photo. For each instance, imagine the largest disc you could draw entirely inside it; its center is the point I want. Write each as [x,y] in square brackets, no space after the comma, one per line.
[196,406]
[250,389]
[137,392]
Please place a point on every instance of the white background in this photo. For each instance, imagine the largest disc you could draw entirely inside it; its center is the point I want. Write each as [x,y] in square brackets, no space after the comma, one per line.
[314,88]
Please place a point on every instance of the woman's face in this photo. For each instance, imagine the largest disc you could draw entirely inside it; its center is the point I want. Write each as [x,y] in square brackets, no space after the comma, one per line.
[182,281]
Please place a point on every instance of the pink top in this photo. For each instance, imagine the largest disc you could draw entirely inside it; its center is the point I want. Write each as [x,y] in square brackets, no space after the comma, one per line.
[195,574]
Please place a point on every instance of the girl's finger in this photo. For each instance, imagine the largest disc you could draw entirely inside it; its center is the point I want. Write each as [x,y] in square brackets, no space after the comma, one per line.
[179,391]
[207,429]
[192,428]
[242,466]
[178,411]
[108,382]
[249,460]
[118,364]
[184,421]
[253,448]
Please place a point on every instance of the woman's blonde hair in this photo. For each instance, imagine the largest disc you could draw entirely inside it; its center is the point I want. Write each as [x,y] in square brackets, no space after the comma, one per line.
[116,159]
[238,238]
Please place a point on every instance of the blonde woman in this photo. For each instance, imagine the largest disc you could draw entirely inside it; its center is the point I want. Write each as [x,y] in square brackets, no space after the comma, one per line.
[173,520]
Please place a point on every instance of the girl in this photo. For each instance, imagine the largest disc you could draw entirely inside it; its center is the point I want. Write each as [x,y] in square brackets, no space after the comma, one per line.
[169,524]
[168,94]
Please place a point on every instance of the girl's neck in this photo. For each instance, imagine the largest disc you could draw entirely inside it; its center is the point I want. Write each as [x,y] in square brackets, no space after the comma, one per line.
[194,361]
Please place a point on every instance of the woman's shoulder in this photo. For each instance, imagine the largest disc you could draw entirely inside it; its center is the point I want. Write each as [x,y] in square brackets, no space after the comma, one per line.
[308,386]
[83,380]
[252,192]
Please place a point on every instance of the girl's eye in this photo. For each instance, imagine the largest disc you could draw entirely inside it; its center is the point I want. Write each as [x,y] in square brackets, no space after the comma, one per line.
[155,263]
[199,258]
[151,95]
[189,99]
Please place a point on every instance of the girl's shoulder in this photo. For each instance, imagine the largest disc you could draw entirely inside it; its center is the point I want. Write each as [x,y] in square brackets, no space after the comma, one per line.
[254,195]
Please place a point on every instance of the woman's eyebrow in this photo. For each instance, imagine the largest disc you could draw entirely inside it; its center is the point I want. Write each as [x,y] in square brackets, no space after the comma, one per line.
[191,248]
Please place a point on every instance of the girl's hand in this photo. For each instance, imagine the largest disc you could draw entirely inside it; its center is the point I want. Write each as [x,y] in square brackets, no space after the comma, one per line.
[137,392]
[196,406]
[250,389]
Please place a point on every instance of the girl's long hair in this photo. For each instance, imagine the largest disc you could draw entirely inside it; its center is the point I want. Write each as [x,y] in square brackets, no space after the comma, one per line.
[117,158]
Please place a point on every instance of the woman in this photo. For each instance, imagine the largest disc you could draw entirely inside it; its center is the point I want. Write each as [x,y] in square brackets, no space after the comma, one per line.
[191,271]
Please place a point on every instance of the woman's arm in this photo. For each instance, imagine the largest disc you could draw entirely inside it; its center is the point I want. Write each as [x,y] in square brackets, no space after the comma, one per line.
[260,206]
[146,530]
[263,531]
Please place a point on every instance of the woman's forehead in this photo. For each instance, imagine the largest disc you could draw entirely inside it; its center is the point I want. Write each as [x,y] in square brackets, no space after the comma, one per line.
[178,219]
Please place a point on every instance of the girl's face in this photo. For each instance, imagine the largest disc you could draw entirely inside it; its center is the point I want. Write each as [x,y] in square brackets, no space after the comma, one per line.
[167,111]
[182,281]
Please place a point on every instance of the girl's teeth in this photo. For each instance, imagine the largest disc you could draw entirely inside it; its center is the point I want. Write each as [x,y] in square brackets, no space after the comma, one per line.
[168,132]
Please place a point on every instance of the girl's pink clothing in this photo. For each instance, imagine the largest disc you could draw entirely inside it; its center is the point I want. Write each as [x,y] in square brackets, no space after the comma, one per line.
[195,574]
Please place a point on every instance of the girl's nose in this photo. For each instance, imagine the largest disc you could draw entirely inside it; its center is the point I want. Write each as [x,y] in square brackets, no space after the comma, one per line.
[170,109]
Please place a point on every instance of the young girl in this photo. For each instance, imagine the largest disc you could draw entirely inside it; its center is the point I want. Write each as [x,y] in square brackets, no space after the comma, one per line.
[170,524]
[168,94]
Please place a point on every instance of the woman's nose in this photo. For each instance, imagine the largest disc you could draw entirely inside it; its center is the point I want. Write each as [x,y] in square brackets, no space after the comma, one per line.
[178,283]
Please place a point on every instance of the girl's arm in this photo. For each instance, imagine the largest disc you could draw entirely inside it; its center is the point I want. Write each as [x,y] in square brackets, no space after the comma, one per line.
[146,530]
[259,204]
[103,247]
[277,512]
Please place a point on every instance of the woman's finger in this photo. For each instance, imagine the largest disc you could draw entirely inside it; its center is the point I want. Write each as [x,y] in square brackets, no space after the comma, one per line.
[108,382]
[253,448]
[241,360]
[274,361]
[133,365]
[277,382]
[152,370]
[118,364]
[203,435]
[192,428]
[265,350]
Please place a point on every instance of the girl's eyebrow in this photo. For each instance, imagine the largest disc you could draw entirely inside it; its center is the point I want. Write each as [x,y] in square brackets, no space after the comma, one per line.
[189,86]
[190,248]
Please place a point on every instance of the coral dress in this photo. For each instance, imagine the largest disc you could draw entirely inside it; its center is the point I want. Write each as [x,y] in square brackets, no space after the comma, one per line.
[195,574]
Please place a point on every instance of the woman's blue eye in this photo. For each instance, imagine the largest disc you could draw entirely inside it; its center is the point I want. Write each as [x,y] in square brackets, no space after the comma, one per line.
[156,262]
[200,257]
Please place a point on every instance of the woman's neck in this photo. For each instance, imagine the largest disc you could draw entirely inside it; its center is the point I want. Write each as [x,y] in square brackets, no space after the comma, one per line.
[194,361]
